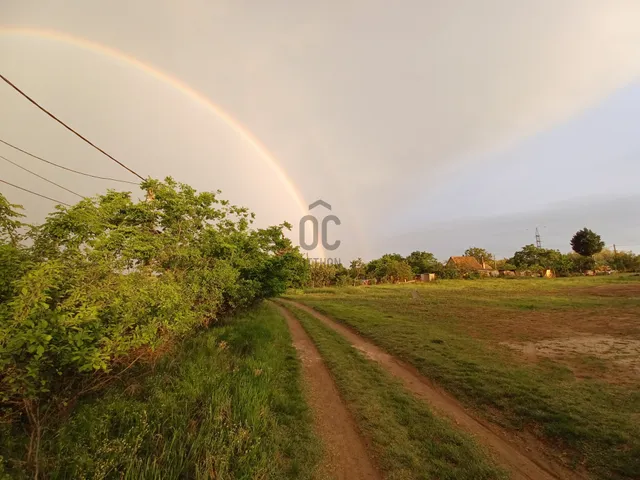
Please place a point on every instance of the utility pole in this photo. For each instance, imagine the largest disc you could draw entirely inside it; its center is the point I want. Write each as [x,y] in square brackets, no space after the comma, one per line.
[538,240]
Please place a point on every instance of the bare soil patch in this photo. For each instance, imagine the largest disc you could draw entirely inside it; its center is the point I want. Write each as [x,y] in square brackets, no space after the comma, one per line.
[503,325]
[523,457]
[623,290]
[618,351]
[345,452]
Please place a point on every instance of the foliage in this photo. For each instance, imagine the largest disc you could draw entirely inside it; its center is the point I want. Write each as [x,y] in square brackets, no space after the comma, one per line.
[620,261]
[13,259]
[390,267]
[587,243]
[580,264]
[449,273]
[535,259]
[227,401]
[324,274]
[110,280]
[9,223]
[422,262]
[358,269]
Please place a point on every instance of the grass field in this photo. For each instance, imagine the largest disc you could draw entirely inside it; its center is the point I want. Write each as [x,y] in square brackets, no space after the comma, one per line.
[406,439]
[225,404]
[558,359]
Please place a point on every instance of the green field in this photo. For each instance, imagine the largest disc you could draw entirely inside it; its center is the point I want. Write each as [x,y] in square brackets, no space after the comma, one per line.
[555,359]
[225,404]
[558,359]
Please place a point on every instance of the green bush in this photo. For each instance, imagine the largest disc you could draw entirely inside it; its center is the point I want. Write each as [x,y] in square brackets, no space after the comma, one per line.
[109,281]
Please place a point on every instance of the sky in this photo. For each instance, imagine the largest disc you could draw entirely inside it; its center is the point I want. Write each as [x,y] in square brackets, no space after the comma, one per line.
[427,125]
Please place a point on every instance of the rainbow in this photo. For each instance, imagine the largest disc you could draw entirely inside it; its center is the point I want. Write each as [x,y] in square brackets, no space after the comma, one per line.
[174,82]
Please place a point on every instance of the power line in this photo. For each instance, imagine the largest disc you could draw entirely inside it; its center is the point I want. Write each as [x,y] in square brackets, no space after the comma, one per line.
[34,193]
[63,167]
[40,176]
[67,126]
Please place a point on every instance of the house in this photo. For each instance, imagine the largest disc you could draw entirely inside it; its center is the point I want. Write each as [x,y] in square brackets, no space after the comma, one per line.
[465,263]
[471,264]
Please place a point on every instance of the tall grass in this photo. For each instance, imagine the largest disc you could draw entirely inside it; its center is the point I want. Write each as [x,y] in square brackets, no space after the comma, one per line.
[225,404]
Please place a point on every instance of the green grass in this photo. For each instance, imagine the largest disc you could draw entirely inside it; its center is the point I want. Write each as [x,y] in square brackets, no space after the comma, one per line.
[407,440]
[226,404]
[587,421]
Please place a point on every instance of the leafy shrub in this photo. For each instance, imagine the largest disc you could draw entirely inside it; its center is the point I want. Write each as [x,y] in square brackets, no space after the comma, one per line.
[448,273]
[109,281]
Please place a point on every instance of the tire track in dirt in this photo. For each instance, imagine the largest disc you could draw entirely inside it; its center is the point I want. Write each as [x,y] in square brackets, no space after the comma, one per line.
[523,459]
[345,452]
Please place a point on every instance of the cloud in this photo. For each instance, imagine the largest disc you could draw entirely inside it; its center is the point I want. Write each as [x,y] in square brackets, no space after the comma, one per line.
[365,103]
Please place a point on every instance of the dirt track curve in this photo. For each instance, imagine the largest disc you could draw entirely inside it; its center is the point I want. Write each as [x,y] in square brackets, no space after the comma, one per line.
[345,452]
[524,460]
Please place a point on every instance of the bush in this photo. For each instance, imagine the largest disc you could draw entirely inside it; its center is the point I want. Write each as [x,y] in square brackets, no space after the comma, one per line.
[109,281]
[449,273]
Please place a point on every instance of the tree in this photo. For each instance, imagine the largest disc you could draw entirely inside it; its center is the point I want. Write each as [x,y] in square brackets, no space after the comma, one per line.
[357,269]
[9,223]
[422,262]
[388,267]
[396,270]
[587,243]
[531,257]
[527,257]
[14,258]
[110,279]
[479,254]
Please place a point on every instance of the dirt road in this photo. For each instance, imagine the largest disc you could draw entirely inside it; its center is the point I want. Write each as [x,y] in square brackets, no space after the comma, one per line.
[523,459]
[345,452]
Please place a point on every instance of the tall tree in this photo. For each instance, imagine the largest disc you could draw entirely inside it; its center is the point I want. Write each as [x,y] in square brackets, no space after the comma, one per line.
[357,269]
[587,243]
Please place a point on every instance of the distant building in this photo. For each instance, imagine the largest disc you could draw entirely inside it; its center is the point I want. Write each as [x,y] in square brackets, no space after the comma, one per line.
[465,263]
[471,264]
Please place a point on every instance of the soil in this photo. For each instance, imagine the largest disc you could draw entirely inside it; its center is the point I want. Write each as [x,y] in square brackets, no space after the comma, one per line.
[345,452]
[517,327]
[622,352]
[608,335]
[624,290]
[523,457]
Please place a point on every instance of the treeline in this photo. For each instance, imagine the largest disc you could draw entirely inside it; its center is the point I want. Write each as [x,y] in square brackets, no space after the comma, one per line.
[388,268]
[111,281]
[530,259]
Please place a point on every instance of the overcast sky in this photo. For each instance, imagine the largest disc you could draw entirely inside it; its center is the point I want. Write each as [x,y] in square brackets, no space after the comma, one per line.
[430,125]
